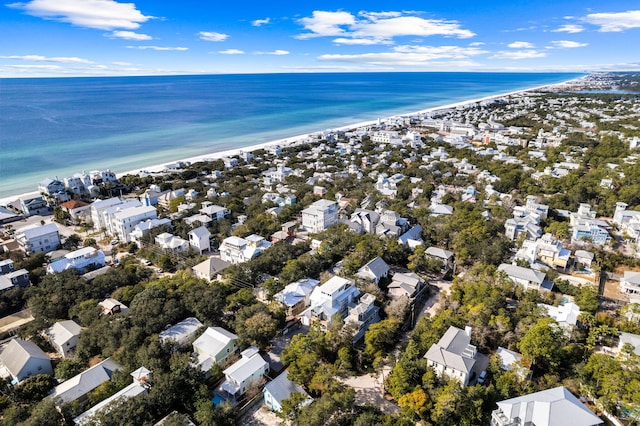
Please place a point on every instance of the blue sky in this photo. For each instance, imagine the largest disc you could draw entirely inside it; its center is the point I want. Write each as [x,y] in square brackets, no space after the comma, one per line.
[146,37]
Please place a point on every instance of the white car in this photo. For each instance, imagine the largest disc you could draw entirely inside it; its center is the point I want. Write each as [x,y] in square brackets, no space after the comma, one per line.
[482,377]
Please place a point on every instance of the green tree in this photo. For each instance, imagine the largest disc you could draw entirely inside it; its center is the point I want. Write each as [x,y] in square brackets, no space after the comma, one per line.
[542,343]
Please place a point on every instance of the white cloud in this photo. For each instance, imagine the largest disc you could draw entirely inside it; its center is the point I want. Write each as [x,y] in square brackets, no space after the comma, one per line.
[408,55]
[122,64]
[569,28]
[518,54]
[376,27]
[40,58]
[521,45]
[614,22]
[566,44]
[476,43]
[277,52]
[231,52]
[212,36]
[130,35]
[157,48]
[100,14]
[36,67]
[260,22]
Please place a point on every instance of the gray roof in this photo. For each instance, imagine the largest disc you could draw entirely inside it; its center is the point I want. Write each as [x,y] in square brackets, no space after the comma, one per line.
[63,331]
[632,339]
[439,253]
[200,232]
[551,407]
[181,331]
[378,267]
[632,277]
[85,382]
[211,266]
[281,387]
[452,350]
[522,273]
[17,354]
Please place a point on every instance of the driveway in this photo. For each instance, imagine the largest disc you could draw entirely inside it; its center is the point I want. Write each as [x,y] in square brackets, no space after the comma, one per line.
[369,391]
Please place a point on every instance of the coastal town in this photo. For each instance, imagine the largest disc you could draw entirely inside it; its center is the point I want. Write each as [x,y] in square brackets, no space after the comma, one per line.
[471,265]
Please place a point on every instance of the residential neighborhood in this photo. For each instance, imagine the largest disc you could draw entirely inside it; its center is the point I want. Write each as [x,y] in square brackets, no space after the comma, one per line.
[472,265]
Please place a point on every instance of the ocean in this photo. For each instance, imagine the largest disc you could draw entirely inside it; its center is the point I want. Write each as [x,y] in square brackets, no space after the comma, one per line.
[55,127]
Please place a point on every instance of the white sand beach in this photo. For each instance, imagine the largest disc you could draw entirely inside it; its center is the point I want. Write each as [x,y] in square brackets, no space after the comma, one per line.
[159,168]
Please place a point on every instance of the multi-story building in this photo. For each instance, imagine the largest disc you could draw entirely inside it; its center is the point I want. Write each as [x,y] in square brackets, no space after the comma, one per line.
[237,250]
[80,260]
[123,222]
[453,356]
[38,238]
[320,215]
[328,300]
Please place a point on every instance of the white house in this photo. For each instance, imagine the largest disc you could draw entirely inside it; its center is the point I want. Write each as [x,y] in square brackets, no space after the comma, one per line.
[630,284]
[63,336]
[77,387]
[213,211]
[528,278]
[296,296]
[320,215]
[362,315]
[123,222]
[331,298]
[182,332]
[80,260]
[143,228]
[172,243]
[551,407]
[250,369]
[22,359]
[237,250]
[404,285]
[375,270]
[38,238]
[199,239]
[566,315]
[453,356]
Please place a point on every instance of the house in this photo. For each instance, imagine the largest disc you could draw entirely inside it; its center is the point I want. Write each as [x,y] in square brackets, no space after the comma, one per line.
[38,238]
[143,228]
[19,278]
[630,283]
[214,346]
[527,225]
[296,296]
[167,198]
[237,250]
[141,384]
[182,332]
[172,243]
[361,316]
[512,361]
[404,284]
[122,222]
[528,278]
[565,315]
[6,266]
[366,219]
[53,191]
[331,298]
[282,388]
[80,260]
[112,307]
[584,257]
[33,206]
[77,388]
[320,215]
[250,369]
[445,256]
[438,209]
[98,208]
[213,211]
[412,238]
[453,356]
[210,269]
[199,239]
[375,270]
[22,359]
[551,407]
[63,336]
[78,210]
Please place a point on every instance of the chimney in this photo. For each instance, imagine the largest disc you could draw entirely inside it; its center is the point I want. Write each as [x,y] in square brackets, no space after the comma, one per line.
[467,331]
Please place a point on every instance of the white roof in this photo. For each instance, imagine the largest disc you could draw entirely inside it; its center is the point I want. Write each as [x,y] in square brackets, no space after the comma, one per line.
[83,383]
[34,231]
[63,331]
[246,366]
[522,273]
[551,407]
[182,330]
[564,314]
[214,340]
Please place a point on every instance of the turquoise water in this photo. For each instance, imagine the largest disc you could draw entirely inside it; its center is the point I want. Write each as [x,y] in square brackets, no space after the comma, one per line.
[60,126]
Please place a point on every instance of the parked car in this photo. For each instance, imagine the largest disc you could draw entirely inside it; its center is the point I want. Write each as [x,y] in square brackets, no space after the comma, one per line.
[482,377]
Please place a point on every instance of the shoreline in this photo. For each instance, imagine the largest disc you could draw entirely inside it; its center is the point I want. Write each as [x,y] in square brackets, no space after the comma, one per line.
[292,140]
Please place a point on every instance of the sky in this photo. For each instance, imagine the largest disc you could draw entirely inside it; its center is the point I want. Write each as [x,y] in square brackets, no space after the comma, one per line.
[52,38]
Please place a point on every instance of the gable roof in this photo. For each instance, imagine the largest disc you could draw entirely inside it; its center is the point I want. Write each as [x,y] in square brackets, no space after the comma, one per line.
[85,382]
[439,253]
[281,387]
[181,331]
[17,354]
[213,340]
[522,273]
[551,407]
[63,331]
[211,266]
[375,269]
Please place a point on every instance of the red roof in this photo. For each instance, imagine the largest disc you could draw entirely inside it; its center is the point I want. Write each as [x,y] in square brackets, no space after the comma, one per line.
[73,204]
